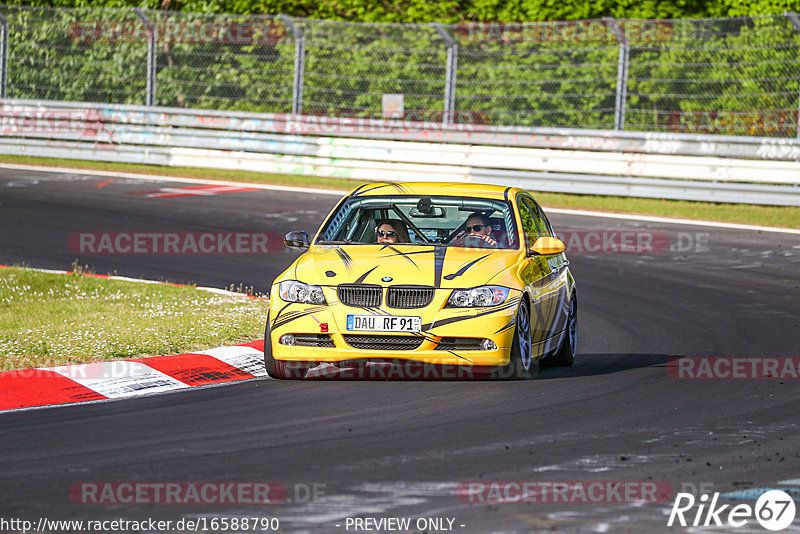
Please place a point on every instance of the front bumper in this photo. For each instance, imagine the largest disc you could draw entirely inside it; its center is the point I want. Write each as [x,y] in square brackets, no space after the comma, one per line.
[441,326]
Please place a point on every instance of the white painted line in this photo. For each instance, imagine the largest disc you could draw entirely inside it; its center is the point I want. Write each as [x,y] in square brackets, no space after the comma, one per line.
[158,178]
[93,275]
[137,280]
[792,482]
[247,359]
[586,213]
[51,271]
[120,378]
[216,291]
[668,220]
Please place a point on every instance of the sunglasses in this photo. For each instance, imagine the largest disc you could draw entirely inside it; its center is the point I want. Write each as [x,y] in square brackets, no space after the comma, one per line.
[381,233]
[476,227]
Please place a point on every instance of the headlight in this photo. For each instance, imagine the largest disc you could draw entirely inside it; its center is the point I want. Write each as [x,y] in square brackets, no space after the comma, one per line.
[479,296]
[293,291]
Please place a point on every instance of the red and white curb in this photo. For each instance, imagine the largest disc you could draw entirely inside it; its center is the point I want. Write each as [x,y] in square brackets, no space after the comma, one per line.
[48,386]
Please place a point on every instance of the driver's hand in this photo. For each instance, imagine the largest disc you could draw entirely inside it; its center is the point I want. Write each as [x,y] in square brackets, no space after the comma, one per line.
[489,240]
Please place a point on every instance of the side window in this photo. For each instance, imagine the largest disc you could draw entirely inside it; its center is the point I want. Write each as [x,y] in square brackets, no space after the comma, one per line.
[541,220]
[529,226]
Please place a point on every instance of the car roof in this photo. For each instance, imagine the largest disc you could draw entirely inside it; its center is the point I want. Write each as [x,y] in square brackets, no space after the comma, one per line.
[434,189]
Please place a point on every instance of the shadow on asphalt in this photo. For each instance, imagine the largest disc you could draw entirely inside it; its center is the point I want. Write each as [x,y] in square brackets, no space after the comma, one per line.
[402,370]
[603,364]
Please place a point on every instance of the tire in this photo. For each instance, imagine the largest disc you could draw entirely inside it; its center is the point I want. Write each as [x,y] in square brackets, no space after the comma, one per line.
[521,360]
[281,369]
[565,355]
[269,361]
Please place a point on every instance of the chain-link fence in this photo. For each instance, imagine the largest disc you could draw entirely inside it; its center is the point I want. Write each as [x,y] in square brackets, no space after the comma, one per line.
[727,76]
[46,60]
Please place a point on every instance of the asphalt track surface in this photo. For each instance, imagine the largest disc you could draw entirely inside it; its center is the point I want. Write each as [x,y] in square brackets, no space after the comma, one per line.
[400,449]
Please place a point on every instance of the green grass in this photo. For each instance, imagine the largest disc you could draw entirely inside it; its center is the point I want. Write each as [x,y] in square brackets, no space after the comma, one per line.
[49,319]
[788,217]
[188,172]
[781,216]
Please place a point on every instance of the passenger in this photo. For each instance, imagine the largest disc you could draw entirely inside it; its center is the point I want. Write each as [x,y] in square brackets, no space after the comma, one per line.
[391,231]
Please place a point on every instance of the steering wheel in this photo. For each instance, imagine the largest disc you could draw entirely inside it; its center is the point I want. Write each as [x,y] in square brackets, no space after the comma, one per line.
[456,233]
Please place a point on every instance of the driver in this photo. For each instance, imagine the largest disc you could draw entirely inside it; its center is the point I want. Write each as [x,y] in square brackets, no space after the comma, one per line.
[479,226]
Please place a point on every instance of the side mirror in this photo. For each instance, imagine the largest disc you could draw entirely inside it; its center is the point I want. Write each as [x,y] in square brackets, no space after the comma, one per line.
[547,246]
[296,240]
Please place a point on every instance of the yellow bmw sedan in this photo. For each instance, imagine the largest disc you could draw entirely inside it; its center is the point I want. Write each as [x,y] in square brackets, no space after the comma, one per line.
[424,280]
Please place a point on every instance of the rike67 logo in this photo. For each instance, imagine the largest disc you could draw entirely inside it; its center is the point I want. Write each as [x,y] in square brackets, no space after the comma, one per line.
[774,510]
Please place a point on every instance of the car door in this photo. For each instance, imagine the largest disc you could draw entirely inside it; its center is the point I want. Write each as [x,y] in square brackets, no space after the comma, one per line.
[542,277]
[558,271]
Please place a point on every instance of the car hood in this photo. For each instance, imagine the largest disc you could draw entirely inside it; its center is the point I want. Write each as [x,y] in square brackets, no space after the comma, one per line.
[443,267]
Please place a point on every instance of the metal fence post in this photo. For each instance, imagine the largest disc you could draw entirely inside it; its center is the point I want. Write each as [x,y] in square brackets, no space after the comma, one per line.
[152,41]
[450,73]
[4,37]
[299,64]
[795,20]
[622,75]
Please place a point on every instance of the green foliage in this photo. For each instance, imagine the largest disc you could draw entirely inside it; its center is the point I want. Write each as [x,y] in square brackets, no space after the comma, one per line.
[741,8]
[47,59]
[350,66]
[733,76]
[452,11]
[246,75]
[539,83]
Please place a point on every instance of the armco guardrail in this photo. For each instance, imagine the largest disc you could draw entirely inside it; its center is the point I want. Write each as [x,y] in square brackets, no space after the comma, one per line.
[676,166]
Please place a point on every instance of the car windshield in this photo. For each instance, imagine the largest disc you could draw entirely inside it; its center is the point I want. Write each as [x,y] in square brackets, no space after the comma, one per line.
[422,220]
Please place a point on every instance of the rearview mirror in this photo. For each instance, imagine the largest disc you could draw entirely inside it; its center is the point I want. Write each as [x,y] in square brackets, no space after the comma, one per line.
[547,246]
[296,240]
[434,212]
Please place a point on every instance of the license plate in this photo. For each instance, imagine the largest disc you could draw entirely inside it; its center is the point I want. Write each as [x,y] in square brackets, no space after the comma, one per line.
[384,323]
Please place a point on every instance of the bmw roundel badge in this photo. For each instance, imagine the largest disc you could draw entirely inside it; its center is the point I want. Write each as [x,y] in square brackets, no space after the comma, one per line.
[387,279]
